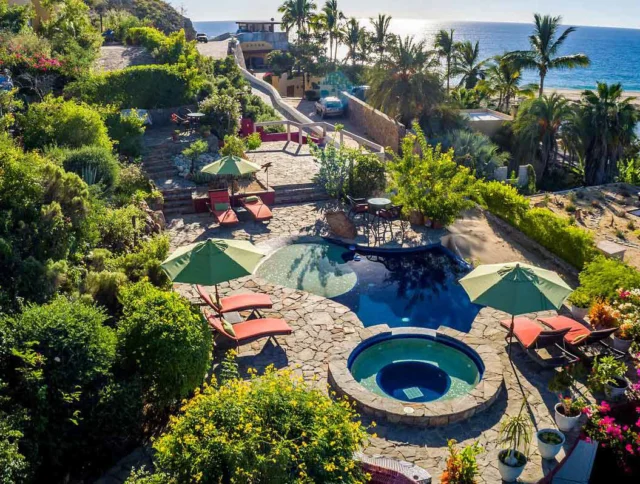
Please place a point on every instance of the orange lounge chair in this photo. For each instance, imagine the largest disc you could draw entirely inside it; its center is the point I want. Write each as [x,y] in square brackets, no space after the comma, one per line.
[545,347]
[588,343]
[238,302]
[256,207]
[220,207]
[251,330]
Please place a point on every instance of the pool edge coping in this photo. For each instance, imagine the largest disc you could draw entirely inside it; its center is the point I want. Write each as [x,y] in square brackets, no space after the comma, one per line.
[429,414]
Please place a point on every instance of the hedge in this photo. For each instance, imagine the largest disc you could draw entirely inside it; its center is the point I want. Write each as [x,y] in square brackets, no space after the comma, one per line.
[142,87]
[555,233]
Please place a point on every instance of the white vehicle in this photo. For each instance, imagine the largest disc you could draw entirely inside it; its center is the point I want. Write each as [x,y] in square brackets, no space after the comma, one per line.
[202,38]
[329,106]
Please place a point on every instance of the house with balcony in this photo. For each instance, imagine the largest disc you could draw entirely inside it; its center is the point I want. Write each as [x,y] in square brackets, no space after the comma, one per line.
[259,37]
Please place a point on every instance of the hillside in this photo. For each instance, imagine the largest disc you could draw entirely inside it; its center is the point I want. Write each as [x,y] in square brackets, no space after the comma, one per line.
[163,15]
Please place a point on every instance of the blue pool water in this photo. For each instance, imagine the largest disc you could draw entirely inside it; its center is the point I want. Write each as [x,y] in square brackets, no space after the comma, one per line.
[416,368]
[410,289]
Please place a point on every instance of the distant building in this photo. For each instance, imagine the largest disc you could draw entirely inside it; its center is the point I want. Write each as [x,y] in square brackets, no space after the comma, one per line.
[259,37]
[486,121]
[41,13]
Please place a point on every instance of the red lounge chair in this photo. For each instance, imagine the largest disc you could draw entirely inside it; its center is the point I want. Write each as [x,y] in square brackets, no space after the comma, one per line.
[251,330]
[239,302]
[542,346]
[224,217]
[581,339]
[258,210]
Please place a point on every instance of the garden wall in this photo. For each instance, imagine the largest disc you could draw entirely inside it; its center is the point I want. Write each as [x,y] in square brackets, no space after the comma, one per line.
[377,126]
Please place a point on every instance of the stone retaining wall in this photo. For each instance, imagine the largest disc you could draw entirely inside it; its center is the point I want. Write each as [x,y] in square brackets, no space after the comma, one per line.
[377,126]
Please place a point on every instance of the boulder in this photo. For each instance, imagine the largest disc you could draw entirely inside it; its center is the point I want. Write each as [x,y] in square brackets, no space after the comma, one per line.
[340,225]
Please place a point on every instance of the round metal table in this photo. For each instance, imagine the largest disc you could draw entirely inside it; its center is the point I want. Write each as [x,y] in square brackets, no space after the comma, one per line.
[194,119]
[375,206]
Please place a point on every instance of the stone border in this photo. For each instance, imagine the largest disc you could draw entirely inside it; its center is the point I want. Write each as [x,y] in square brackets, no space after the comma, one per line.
[421,414]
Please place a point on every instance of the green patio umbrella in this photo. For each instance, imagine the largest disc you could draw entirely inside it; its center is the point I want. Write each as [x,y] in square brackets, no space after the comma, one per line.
[231,165]
[212,261]
[515,288]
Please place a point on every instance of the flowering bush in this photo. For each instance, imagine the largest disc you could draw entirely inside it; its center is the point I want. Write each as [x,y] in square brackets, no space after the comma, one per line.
[623,440]
[572,407]
[270,428]
[603,316]
[461,465]
[627,303]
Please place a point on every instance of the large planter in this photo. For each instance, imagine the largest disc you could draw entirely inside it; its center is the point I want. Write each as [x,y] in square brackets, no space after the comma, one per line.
[578,312]
[622,344]
[564,422]
[616,390]
[509,472]
[416,218]
[549,450]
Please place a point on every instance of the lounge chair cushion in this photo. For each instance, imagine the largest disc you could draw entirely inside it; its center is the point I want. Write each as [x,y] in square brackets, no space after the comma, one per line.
[228,327]
[261,327]
[221,207]
[577,331]
[252,198]
[226,218]
[258,210]
[524,329]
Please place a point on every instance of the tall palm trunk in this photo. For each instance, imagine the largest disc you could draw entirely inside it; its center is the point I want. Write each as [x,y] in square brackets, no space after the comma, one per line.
[448,72]
[541,89]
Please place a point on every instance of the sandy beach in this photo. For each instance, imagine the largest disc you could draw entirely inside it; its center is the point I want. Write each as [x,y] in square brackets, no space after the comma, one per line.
[574,94]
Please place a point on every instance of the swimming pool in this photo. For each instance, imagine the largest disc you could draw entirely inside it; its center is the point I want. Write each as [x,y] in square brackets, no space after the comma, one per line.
[416,368]
[417,288]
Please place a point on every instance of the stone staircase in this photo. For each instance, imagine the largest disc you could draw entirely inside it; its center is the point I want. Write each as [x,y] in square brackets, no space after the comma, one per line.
[299,193]
[156,161]
[177,201]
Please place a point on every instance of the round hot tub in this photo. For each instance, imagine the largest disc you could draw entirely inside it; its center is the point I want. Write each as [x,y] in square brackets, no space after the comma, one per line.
[418,376]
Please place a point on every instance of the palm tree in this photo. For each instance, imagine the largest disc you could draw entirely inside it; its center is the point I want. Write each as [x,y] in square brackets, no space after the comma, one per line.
[465,98]
[332,22]
[446,48]
[354,36]
[298,14]
[545,44]
[537,126]
[468,64]
[403,83]
[608,128]
[475,151]
[380,32]
[504,78]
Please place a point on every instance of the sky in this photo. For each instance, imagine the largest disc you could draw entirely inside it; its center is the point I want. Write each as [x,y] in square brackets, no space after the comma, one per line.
[618,13]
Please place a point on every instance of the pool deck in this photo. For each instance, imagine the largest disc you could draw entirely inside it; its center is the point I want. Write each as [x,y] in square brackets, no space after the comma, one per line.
[323,329]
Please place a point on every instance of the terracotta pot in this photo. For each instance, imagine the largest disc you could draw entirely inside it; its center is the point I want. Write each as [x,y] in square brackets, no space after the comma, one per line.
[436,225]
[416,218]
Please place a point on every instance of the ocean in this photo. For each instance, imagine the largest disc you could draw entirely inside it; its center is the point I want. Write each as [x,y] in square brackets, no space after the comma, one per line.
[614,52]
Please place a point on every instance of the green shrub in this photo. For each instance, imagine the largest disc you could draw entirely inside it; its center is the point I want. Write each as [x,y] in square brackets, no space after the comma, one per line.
[502,200]
[253,141]
[164,340]
[142,87]
[60,356]
[233,146]
[333,172]
[272,428]
[14,468]
[222,114]
[165,49]
[367,175]
[131,180]
[127,130]
[93,164]
[145,261]
[603,277]
[573,244]
[119,229]
[104,287]
[120,21]
[63,123]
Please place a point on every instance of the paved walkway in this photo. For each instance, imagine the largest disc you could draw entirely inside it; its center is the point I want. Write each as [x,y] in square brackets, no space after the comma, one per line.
[116,57]
[291,163]
[217,50]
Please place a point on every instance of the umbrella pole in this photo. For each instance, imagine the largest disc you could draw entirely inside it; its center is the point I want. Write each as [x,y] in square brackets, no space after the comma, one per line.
[511,334]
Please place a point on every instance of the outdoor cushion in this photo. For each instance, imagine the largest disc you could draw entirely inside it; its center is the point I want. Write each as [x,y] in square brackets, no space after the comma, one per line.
[236,302]
[221,207]
[252,198]
[577,331]
[228,327]
[524,329]
[227,217]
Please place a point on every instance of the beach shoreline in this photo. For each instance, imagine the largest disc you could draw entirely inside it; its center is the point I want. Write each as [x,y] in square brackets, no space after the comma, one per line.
[575,94]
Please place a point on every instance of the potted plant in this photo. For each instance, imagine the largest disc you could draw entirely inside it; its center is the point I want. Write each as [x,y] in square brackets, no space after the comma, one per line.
[462,467]
[625,335]
[550,442]
[175,135]
[607,374]
[205,131]
[580,304]
[515,437]
[568,412]
[603,316]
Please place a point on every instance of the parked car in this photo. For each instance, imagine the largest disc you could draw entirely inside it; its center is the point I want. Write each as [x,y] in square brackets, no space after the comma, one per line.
[6,84]
[329,106]
[360,92]
[202,38]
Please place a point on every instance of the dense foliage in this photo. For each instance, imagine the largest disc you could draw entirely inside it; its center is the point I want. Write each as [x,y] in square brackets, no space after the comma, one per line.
[603,277]
[94,164]
[222,114]
[271,428]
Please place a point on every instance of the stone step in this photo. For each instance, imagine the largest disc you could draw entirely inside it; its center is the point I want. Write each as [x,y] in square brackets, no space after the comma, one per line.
[164,174]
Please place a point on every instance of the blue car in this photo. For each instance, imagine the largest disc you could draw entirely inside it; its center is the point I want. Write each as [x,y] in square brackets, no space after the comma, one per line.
[6,84]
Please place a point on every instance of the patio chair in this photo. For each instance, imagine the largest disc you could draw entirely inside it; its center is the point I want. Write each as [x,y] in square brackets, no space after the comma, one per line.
[220,207]
[389,215]
[238,302]
[545,347]
[583,341]
[257,209]
[251,330]
[357,206]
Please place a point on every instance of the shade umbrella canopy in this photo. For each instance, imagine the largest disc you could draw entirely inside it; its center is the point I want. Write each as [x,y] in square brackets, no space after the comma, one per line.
[515,288]
[212,261]
[231,165]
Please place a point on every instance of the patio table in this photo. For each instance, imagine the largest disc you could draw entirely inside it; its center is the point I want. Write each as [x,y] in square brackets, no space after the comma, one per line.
[194,119]
[375,205]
